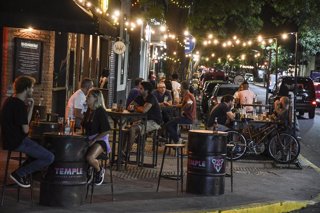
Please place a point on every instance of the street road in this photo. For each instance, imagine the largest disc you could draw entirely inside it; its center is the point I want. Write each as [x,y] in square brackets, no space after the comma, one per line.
[309,130]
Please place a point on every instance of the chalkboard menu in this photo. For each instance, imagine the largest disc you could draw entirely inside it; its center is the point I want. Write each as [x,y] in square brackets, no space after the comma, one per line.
[28,58]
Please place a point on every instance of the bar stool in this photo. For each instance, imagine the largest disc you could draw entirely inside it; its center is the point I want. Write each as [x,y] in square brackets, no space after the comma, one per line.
[179,156]
[103,158]
[155,142]
[5,179]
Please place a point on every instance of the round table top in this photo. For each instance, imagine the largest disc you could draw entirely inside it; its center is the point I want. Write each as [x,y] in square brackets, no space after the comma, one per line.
[208,132]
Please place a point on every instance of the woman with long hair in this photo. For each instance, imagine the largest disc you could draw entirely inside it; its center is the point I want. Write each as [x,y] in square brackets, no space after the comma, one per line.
[96,125]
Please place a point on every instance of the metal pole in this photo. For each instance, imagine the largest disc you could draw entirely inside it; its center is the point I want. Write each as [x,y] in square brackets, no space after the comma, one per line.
[295,83]
[268,76]
[276,65]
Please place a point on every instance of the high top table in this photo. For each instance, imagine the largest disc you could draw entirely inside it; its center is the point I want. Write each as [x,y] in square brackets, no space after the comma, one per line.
[119,120]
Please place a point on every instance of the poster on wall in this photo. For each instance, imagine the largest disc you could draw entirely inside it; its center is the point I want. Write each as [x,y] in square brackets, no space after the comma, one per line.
[28,58]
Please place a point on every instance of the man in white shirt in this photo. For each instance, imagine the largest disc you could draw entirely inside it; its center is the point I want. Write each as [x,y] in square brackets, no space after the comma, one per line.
[77,103]
[246,96]
[176,88]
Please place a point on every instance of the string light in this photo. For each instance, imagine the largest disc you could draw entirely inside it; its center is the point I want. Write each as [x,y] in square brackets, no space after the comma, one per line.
[180,5]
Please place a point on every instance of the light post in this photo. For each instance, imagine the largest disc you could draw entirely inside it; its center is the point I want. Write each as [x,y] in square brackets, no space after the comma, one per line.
[295,81]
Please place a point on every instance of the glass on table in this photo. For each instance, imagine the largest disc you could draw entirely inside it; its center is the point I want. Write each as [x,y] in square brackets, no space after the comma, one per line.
[60,125]
[114,107]
[72,125]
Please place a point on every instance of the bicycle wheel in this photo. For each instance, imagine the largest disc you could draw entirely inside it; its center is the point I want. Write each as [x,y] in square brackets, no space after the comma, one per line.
[284,148]
[240,145]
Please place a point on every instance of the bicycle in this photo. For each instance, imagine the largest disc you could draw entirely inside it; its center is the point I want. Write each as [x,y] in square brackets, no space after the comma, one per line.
[282,147]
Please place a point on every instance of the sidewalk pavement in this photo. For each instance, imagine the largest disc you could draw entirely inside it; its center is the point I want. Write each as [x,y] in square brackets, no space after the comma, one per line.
[259,186]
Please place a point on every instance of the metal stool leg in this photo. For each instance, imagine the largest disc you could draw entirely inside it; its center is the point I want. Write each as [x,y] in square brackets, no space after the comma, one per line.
[178,169]
[160,173]
[5,177]
[181,156]
[111,182]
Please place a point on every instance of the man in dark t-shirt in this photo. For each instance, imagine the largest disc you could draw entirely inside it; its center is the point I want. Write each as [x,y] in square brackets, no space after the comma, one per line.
[222,112]
[145,103]
[135,91]
[15,119]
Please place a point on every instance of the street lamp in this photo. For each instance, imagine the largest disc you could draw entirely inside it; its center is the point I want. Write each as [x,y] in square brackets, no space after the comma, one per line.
[295,81]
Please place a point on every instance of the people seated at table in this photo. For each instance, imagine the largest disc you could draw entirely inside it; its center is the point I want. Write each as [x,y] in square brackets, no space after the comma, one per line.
[188,113]
[144,103]
[96,126]
[16,115]
[165,100]
[135,91]
[281,110]
[176,88]
[77,105]
[222,114]
[246,96]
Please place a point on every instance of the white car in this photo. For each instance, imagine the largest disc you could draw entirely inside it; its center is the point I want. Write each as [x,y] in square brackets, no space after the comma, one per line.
[248,77]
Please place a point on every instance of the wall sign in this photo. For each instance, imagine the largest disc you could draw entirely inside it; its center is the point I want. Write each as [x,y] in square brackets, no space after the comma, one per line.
[119,47]
[28,58]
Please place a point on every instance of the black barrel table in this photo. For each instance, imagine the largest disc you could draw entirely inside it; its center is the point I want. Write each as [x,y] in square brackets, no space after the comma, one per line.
[206,162]
[37,129]
[65,182]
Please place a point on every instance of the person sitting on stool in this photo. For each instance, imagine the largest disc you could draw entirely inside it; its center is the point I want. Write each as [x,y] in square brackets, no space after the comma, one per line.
[188,113]
[15,120]
[222,112]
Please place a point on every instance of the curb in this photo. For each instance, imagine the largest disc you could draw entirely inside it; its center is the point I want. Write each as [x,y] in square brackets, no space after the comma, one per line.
[276,207]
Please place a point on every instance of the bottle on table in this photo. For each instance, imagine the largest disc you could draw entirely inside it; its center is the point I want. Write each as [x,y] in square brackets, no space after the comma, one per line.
[67,128]
[37,117]
[215,125]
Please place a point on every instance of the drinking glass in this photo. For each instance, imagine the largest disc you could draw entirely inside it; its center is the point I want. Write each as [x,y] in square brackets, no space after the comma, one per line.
[60,125]
[72,124]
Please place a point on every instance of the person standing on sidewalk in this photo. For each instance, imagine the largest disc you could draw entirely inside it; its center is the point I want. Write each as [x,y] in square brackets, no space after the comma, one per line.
[246,96]
[15,120]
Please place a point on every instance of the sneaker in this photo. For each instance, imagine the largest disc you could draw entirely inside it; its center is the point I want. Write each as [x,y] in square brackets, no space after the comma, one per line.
[21,181]
[99,177]
[90,175]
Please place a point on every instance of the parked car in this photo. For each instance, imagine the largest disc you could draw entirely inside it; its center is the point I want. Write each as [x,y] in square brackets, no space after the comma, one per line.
[248,77]
[221,90]
[305,97]
[316,83]
[206,94]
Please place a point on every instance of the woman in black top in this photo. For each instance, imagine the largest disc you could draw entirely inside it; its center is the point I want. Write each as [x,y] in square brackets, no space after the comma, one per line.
[96,125]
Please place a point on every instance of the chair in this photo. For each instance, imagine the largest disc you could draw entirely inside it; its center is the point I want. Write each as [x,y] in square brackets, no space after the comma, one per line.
[5,179]
[103,158]
[179,157]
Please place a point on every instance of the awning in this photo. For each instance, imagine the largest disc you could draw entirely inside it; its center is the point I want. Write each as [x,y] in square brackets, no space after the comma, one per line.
[53,15]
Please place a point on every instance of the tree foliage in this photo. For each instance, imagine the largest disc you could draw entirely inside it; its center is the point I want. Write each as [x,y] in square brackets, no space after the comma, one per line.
[241,17]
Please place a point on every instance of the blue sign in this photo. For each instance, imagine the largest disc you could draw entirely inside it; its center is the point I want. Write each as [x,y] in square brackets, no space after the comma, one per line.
[189,44]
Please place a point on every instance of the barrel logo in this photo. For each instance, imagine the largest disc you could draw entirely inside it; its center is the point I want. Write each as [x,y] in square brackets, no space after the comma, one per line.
[197,163]
[68,171]
[217,164]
